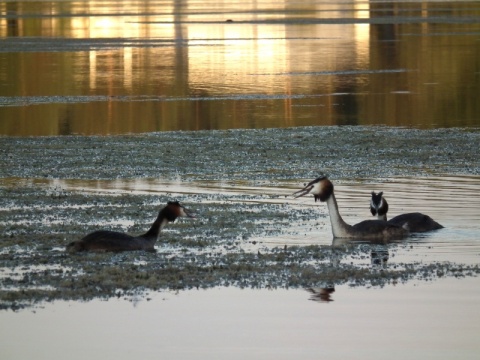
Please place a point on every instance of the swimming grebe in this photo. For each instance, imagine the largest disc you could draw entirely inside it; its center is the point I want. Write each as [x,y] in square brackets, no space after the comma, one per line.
[322,189]
[104,240]
[414,222]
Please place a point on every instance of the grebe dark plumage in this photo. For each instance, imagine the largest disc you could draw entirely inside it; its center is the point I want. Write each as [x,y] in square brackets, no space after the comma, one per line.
[105,240]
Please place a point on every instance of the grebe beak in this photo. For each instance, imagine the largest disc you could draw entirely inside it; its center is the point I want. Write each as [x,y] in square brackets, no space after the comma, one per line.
[305,191]
[188,213]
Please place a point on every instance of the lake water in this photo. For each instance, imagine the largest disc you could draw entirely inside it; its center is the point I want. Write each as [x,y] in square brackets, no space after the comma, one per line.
[110,67]
[459,242]
[116,67]
[439,320]
[417,319]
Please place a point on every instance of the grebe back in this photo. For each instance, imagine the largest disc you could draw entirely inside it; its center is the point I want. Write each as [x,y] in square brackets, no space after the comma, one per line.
[415,222]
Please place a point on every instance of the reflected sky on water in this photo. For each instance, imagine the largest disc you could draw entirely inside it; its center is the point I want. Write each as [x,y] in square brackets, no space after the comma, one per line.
[110,67]
[437,320]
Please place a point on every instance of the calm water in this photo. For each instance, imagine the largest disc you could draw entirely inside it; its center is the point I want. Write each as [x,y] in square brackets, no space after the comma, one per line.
[111,67]
[438,320]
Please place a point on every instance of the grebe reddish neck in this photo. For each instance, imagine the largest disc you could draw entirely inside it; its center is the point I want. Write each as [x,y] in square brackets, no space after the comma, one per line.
[322,189]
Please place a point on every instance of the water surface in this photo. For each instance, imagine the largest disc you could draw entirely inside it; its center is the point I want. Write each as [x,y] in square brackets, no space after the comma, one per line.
[417,320]
[434,312]
[458,242]
[102,67]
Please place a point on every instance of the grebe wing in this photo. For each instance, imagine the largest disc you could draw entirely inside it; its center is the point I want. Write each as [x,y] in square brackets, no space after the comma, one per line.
[416,222]
[373,226]
[106,235]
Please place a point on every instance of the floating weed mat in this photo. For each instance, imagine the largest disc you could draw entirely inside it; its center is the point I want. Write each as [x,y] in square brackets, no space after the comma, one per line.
[222,247]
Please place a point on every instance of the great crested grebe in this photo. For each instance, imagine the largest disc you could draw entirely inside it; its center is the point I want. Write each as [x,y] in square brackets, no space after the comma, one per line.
[415,222]
[322,189]
[104,240]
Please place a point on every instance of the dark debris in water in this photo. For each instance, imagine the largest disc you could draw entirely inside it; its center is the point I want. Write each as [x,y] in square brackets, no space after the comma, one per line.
[37,220]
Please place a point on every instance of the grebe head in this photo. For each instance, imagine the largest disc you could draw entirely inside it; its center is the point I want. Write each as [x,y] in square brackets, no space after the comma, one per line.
[378,205]
[174,210]
[321,188]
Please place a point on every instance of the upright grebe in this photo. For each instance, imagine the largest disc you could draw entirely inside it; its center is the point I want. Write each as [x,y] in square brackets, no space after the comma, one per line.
[322,189]
[414,222]
[104,240]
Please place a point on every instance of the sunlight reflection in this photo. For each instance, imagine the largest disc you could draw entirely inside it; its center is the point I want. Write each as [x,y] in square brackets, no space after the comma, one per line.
[92,57]
[104,27]
[186,55]
[362,32]
[127,67]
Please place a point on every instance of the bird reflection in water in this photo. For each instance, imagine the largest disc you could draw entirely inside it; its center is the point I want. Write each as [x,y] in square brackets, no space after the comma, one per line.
[379,256]
[321,294]
[378,249]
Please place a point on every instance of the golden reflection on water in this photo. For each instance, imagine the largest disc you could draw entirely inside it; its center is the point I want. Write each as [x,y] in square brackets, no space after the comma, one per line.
[100,67]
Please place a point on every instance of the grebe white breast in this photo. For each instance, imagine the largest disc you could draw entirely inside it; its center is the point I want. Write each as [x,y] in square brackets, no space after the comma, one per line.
[415,222]
[105,240]
[322,189]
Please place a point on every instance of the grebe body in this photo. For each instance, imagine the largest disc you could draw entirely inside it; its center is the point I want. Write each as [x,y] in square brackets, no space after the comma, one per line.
[322,189]
[105,240]
[415,222]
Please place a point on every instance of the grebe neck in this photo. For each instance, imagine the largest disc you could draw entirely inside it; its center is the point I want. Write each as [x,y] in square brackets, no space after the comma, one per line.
[382,217]
[339,227]
[156,228]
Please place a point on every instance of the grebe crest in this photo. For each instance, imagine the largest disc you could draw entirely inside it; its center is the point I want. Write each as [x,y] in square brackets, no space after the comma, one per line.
[322,189]
[174,210]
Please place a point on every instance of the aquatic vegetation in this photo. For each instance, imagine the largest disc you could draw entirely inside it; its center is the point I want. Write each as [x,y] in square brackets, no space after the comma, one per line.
[230,179]
[254,155]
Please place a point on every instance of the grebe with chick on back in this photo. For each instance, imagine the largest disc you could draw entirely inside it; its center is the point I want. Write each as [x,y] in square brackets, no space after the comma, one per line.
[415,222]
[105,240]
[322,189]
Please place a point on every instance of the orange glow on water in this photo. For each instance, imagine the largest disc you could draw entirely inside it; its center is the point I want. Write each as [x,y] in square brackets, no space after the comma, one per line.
[202,65]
